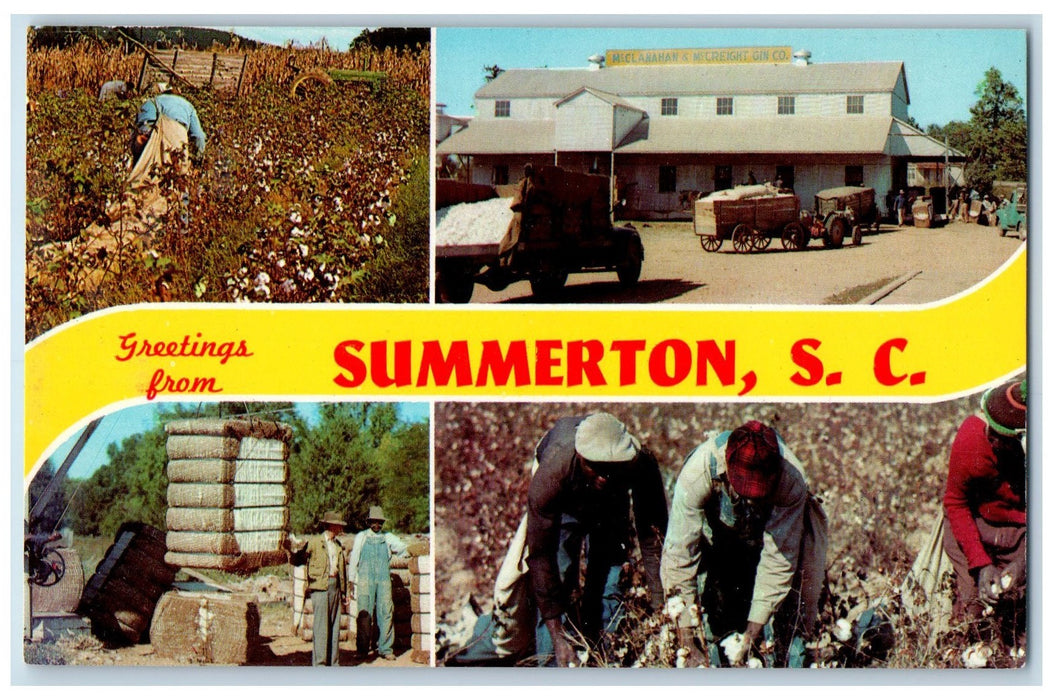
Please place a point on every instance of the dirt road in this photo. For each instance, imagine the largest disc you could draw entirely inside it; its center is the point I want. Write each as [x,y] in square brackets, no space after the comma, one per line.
[939,262]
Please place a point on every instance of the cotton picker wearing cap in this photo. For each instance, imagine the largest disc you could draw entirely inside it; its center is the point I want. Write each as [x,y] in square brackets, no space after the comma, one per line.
[986,504]
[371,585]
[746,548]
[592,483]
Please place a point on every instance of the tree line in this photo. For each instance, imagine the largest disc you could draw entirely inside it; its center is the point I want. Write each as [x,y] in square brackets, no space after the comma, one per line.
[354,456]
[994,138]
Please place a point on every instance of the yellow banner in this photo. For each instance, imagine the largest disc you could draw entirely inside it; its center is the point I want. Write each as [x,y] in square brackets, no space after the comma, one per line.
[176,352]
[698,57]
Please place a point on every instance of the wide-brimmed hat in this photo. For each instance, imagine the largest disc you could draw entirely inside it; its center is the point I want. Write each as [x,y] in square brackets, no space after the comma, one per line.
[331,517]
[753,459]
[376,513]
[1005,408]
[603,438]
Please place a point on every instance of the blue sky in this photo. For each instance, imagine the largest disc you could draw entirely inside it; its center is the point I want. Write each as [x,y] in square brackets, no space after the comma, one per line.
[117,426]
[337,37]
[943,66]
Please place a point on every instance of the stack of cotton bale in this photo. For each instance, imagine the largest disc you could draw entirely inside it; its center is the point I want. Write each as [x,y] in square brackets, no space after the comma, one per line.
[227,493]
[421,601]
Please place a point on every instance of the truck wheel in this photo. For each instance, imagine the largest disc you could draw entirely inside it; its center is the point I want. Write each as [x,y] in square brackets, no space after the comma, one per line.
[547,284]
[710,243]
[835,233]
[742,238]
[857,235]
[454,287]
[629,269]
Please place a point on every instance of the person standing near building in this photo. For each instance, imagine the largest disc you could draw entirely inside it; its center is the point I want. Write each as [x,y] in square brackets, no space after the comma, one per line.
[900,205]
[326,586]
[370,567]
[745,551]
[986,504]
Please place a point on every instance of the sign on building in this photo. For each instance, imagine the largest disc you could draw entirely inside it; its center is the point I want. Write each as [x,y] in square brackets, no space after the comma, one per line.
[672,57]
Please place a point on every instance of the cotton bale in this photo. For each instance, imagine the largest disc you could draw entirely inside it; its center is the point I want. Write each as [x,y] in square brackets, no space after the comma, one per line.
[220,628]
[228,493]
[64,595]
[121,595]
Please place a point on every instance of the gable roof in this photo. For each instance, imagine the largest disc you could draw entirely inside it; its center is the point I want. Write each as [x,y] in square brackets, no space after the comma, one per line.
[669,81]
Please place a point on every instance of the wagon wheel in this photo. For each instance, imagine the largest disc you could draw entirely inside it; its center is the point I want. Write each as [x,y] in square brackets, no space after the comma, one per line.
[857,235]
[309,83]
[835,233]
[710,243]
[761,240]
[742,238]
[793,236]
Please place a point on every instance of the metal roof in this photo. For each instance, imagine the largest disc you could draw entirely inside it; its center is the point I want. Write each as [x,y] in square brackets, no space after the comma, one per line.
[775,134]
[905,140]
[611,99]
[671,81]
[501,136]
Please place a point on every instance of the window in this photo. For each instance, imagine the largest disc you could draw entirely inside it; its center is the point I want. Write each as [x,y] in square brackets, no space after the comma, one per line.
[667,178]
[854,175]
[725,106]
[502,108]
[722,178]
[500,176]
[786,104]
[854,104]
[669,106]
[784,175]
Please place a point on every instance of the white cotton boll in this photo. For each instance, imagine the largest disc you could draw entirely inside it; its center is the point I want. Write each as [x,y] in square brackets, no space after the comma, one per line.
[843,630]
[583,656]
[1007,580]
[977,655]
[674,606]
[473,223]
[733,646]
[754,662]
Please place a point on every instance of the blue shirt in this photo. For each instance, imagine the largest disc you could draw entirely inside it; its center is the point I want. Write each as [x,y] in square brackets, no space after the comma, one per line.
[173,107]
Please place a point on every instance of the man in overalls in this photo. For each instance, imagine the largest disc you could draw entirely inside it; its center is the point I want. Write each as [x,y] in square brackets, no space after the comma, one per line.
[371,584]
[745,550]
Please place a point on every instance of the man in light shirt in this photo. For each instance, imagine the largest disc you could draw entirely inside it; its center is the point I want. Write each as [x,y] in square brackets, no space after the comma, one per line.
[371,585]
[327,587]
[745,551]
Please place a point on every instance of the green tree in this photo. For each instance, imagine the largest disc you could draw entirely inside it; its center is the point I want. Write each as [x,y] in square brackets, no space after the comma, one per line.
[403,461]
[355,457]
[999,133]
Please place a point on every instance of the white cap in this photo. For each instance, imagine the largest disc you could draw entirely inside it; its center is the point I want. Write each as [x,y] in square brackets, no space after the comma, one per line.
[603,438]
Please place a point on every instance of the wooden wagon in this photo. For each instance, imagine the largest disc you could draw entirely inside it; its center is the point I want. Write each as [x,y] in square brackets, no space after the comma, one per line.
[749,216]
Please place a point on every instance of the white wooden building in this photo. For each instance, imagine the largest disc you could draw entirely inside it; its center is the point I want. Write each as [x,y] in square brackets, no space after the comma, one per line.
[671,132]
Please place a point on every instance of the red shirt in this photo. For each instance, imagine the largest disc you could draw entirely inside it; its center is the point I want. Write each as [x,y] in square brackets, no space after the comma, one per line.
[982,484]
